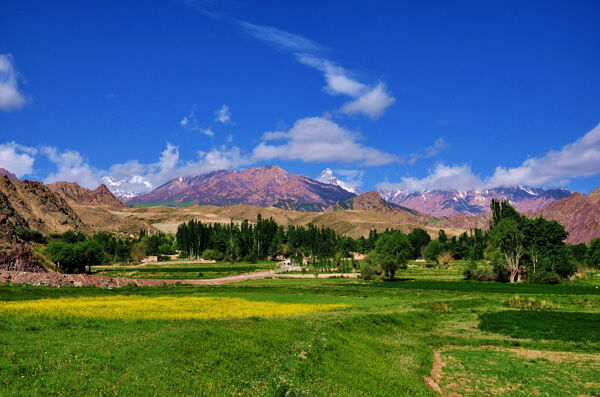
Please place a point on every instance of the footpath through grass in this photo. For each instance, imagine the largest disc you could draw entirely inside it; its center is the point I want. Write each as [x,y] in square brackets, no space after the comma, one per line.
[382,341]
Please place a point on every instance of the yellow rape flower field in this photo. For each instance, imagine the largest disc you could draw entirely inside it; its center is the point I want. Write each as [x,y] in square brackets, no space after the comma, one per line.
[158,308]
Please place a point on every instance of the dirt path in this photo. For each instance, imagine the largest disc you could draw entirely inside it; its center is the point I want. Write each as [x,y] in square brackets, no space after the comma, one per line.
[78,280]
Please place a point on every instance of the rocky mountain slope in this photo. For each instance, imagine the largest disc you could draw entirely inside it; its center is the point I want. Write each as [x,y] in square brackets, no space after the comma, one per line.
[263,186]
[370,201]
[443,203]
[39,206]
[73,192]
[579,214]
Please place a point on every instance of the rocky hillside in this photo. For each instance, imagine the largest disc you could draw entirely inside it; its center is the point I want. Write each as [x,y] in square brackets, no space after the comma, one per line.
[73,192]
[268,186]
[444,203]
[579,214]
[369,201]
[39,206]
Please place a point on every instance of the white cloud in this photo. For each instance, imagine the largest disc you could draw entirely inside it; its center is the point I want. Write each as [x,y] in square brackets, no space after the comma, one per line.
[372,103]
[578,159]
[190,123]
[71,167]
[16,158]
[315,139]
[438,146]
[442,177]
[336,77]
[10,96]
[223,114]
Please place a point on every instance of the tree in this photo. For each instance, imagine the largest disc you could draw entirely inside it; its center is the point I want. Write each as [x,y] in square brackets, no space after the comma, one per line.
[442,237]
[507,236]
[433,250]
[593,253]
[393,250]
[419,239]
[92,254]
[579,252]
[138,252]
[66,256]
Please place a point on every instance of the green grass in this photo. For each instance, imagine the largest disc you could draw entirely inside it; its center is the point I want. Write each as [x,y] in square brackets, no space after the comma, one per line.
[382,345]
[183,271]
[580,327]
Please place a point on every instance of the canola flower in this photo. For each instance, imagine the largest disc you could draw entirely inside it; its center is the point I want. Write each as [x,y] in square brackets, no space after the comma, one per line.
[158,308]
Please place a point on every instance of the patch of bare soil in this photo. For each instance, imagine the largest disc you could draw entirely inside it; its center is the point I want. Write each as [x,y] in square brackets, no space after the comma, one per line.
[79,280]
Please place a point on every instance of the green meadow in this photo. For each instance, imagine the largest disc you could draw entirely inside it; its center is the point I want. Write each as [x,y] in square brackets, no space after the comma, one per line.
[393,338]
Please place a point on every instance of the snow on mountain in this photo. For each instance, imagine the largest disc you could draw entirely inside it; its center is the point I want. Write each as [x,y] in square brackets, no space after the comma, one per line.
[127,188]
[327,176]
[446,203]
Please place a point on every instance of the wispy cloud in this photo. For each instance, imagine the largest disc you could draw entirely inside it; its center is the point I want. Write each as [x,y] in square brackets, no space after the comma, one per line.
[190,123]
[370,100]
[442,177]
[223,115]
[438,146]
[11,97]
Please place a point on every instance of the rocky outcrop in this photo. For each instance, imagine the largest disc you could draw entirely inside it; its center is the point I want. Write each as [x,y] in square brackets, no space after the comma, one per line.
[20,258]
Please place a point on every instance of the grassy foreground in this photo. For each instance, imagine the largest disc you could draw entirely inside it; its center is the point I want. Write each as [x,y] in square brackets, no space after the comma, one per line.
[383,339]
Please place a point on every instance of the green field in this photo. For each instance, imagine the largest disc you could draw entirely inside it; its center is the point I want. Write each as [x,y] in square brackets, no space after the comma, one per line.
[385,341]
[185,271]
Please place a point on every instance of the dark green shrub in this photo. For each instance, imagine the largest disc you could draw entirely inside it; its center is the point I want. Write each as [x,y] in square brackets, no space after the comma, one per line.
[479,272]
[211,255]
[545,278]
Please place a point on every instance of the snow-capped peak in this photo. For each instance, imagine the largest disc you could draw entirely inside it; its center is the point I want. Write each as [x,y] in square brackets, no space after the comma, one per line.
[327,176]
[127,188]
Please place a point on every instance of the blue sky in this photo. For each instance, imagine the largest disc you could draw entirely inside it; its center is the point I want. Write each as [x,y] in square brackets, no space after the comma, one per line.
[408,95]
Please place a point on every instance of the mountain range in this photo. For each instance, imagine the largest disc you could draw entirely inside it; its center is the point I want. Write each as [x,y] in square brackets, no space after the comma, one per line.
[447,203]
[293,198]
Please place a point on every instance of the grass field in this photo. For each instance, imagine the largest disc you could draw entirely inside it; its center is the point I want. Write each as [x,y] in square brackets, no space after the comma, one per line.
[379,338]
[185,271]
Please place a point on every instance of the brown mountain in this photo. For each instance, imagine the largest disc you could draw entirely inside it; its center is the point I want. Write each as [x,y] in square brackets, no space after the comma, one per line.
[369,201]
[579,214]
[10,175]
[71,191]
[40,208]
[268,186]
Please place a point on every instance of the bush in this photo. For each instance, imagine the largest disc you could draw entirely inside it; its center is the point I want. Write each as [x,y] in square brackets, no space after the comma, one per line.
[545,278]
[445,258]
[30,235]
[367,271]
[479,273]
[211,255]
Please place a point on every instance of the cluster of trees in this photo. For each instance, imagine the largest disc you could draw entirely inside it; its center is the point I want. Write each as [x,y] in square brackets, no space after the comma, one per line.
[469,246]
[263,240]
[73,251]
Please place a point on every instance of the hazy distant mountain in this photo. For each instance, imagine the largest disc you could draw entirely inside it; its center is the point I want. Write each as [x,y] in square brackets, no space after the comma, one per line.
[263,186]
[447,203]
[327,176]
